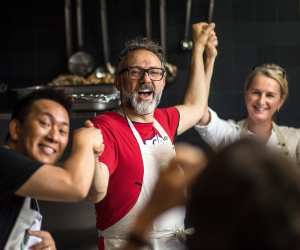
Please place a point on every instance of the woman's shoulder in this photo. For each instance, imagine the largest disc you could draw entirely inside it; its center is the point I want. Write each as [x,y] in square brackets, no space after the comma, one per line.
[289,131]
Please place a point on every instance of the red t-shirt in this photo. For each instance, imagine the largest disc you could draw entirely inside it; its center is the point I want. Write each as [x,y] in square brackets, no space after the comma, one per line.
[124,161]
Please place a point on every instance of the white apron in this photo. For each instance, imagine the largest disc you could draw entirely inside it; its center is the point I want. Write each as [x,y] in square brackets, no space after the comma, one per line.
[278,142]
[168,228]
[27,219]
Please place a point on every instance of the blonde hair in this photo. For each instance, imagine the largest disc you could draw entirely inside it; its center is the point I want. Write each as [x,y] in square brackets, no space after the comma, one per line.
[273,71]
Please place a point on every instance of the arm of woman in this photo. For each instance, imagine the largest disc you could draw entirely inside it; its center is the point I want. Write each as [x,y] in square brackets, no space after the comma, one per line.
[218,132]
[210,57]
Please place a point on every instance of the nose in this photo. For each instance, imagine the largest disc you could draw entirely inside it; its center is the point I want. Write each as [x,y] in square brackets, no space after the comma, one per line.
[146,77]
[262,99]
[53,134]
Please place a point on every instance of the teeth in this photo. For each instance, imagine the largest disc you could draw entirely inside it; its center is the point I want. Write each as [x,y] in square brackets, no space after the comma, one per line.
[259,108]
[145,91]
[48,150]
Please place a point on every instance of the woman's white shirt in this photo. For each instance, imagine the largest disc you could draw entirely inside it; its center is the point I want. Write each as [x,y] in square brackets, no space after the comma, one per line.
[219,133]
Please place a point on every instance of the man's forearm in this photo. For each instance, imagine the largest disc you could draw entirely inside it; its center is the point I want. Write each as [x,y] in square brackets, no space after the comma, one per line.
[196,95]
[197,89]
[99,184]
[81,165]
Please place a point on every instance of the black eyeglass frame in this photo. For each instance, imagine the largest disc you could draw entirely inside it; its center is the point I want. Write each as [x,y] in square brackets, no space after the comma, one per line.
[144,71]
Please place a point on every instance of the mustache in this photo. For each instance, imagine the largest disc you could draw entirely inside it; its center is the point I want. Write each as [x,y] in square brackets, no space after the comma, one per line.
[146,86]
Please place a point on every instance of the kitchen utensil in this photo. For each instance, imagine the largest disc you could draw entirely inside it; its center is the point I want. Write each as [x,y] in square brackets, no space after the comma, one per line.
[95,102]
[211,10]
[187,44]
[170,68]
[85,98]
[148,25]
[102,72]
[68,28]
[81,63]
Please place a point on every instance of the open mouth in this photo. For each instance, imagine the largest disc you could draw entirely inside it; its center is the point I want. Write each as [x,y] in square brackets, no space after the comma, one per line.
[145,94]
[47,150]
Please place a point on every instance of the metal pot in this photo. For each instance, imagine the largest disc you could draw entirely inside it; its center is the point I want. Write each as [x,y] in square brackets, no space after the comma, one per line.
[85,98]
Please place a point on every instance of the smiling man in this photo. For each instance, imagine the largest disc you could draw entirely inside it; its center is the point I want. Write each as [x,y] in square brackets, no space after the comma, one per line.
[38,135]
[139,138]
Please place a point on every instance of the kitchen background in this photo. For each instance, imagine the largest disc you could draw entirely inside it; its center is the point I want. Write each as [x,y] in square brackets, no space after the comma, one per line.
[250,32]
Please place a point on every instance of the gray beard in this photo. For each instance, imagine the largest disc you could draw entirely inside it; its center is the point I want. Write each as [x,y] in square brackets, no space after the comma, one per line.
[140,107]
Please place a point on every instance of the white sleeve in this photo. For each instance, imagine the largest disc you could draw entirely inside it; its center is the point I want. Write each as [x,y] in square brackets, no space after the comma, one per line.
[218,132]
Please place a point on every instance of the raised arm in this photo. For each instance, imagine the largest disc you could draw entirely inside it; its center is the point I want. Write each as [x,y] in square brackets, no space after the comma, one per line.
[195,101]
[210,57]
[72,182]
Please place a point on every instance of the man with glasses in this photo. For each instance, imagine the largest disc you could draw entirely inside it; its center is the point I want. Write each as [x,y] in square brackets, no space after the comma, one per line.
[138,140]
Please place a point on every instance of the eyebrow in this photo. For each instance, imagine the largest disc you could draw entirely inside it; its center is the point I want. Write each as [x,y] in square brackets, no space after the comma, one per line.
[268,92]
[53,118]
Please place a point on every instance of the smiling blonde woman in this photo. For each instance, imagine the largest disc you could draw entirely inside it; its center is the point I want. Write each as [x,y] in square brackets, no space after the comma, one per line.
[266,89]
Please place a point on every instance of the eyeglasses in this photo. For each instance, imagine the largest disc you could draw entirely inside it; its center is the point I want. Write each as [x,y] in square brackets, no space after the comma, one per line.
[137,73]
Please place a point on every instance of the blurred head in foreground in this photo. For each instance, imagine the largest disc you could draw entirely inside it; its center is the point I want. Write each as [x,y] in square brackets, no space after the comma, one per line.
[248,197]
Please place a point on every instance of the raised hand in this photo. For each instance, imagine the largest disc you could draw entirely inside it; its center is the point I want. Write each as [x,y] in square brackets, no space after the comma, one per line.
[211,46]
[201,33]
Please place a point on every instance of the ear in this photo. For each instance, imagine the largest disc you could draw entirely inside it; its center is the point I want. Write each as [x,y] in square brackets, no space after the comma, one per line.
[14,129]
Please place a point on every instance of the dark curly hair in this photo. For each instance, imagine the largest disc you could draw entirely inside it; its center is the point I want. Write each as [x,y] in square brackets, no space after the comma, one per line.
[141,43]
